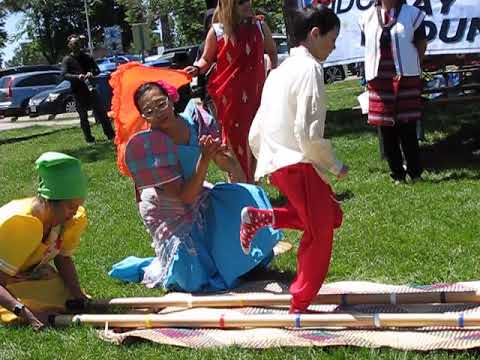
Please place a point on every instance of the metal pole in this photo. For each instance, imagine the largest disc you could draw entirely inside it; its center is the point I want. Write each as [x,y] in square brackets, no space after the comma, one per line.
[142,43]
[90,46]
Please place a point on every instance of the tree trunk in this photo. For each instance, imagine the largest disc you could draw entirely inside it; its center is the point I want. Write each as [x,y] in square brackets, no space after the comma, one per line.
[166,31]
[48,40]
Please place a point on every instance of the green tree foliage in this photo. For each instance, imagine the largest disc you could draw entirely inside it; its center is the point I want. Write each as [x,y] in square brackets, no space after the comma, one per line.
[3,33]
[49,22]
[186,17]
[135,11]
[106,13]
[272,10]
[26,54]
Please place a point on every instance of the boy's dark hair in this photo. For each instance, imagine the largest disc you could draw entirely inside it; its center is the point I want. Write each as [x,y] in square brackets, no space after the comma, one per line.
[303,21]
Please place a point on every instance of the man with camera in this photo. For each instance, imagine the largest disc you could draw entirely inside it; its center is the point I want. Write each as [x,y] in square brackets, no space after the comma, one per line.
[80,69]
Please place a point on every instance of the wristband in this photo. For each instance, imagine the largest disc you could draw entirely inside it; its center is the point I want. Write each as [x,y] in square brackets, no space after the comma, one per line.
[17,309]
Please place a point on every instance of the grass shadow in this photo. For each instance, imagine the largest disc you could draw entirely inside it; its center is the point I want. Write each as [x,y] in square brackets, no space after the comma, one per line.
[344,196]
[92,153]
[269,274]
[18,139]
[278,201]
[346,122]
[459,150]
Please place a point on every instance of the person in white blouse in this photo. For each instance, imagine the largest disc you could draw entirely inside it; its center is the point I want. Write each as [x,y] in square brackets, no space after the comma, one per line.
[395,41]
[287,139]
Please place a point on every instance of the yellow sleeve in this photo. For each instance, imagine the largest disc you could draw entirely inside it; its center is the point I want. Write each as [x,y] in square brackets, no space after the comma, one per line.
[20,236]
[73,231]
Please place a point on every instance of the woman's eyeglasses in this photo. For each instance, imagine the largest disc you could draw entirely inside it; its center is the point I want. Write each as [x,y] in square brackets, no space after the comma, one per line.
[241,2]
[159,106]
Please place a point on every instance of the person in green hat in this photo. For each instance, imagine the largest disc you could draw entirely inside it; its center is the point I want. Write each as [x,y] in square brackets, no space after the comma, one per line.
[35,231]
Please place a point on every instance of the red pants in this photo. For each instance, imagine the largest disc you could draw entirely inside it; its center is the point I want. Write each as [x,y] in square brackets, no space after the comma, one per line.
[312,208]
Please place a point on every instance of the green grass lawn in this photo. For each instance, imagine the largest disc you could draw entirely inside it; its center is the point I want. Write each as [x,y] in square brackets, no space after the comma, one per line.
[401,234]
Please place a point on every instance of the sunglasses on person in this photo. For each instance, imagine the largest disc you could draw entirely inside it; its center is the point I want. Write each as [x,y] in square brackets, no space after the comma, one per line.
[241,2]
[158,107]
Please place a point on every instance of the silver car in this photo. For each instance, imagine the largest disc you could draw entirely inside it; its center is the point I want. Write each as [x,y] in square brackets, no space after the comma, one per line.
[17,89]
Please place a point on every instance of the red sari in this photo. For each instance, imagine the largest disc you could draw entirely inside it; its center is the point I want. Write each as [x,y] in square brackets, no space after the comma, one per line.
[236,87]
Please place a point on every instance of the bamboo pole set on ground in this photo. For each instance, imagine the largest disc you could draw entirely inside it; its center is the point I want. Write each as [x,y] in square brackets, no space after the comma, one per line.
[235,321]
[266,300]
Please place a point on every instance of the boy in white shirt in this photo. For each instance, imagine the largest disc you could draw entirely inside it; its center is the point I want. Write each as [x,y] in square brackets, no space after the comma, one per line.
[286,138]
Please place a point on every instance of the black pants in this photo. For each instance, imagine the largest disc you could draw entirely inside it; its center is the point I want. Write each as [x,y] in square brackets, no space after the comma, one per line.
[402,136]
[92,99]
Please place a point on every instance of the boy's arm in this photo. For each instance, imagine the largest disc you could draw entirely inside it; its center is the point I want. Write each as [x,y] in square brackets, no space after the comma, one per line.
[310,123]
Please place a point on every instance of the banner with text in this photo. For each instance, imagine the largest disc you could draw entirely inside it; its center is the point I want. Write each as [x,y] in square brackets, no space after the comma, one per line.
[452,26]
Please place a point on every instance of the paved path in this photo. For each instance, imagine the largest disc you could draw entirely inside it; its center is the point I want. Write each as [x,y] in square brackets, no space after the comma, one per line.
[60,120]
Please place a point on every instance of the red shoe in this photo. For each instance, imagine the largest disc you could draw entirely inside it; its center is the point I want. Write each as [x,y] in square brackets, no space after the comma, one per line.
[252,219]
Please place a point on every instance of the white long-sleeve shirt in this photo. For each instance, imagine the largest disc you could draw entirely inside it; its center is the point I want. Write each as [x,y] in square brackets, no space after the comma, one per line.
[289,125]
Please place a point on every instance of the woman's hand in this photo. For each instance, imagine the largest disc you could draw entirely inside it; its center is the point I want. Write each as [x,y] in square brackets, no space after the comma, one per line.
[37,320]
[210,147]
[192,70]
[224,159]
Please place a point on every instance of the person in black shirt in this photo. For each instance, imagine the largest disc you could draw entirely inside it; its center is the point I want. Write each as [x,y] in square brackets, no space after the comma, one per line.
[80,69]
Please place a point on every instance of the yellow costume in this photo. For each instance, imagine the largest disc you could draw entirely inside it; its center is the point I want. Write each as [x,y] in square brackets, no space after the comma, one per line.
[25,257]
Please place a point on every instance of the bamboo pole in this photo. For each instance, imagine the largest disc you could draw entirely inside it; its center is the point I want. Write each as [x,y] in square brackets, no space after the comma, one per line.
[232,321]
[267,299]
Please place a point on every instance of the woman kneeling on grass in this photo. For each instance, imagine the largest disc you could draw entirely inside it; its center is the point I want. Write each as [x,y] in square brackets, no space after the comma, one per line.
[194,227]
[33,232]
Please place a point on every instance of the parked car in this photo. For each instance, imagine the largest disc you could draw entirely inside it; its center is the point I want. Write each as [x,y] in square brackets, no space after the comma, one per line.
[159,60]
[17,89]
[52,102]
[182,56]
[61,100]
[110,64]
[28,68]
[334,73]
[282,47]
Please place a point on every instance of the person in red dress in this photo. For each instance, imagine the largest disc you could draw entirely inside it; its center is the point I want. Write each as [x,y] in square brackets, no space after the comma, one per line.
[236,42]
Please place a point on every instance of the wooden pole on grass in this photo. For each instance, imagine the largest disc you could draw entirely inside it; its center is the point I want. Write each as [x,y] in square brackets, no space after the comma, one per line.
[233,321]
[267,299]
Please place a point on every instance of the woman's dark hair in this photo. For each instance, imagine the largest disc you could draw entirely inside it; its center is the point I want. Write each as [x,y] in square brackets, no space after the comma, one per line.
[39,200]
[303,21]
[146,88]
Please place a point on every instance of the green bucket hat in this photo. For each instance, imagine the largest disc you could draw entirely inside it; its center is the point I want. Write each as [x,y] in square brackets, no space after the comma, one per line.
[61,177]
